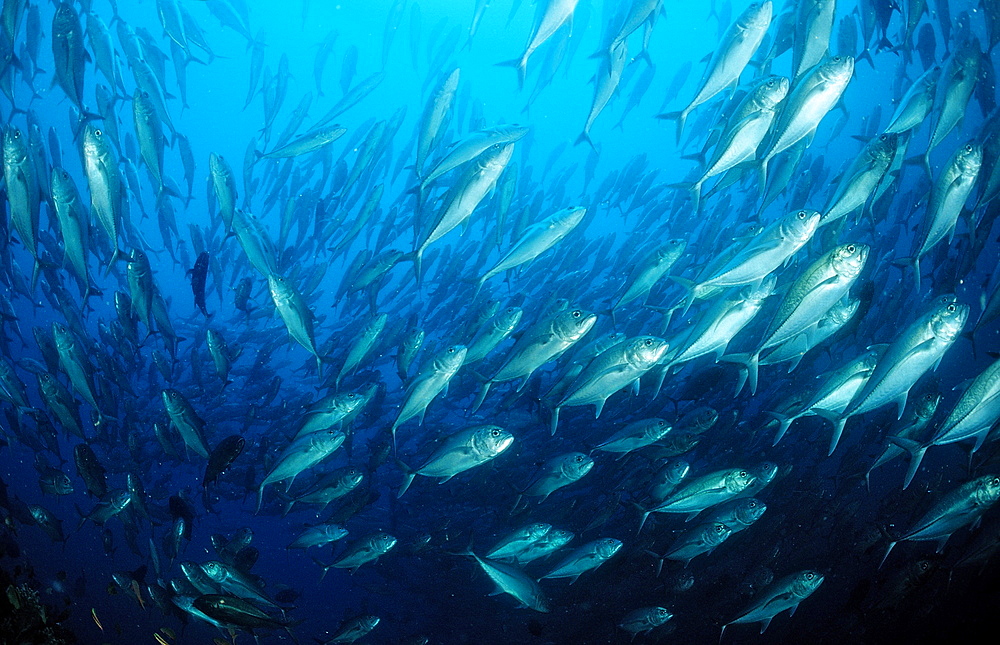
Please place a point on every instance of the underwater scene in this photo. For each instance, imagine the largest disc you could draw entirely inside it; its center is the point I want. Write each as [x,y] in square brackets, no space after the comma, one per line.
[499,321]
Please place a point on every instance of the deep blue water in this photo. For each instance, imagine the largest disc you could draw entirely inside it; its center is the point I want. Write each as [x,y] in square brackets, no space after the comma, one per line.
[820,514]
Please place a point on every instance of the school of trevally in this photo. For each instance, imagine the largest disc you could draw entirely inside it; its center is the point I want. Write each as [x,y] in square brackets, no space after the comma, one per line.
[499,321]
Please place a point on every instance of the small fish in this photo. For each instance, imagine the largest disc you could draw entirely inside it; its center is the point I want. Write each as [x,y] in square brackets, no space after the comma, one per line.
[93,614]
[199,275]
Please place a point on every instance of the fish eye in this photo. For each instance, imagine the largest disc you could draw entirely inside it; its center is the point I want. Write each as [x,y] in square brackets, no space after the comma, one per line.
[579,458]
[836,59]
[577,313]
[752,504]
[648,342]
[98,133]
[850,248]
[809,576]
[951,308]
[495,432]
[743,473]
[968,148]
[770,83]
[802,215]
[883,137]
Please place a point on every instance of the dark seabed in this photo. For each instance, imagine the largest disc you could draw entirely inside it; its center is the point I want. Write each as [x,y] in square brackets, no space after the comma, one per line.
[320,321]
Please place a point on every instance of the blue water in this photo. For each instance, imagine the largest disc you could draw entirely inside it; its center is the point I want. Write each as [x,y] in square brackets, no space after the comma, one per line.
[821,515]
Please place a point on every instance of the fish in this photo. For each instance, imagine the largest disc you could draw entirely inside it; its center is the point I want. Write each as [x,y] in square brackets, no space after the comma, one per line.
[810,100]
[511,580]
[585,558]
[553,16]
[199,277]
[781,595]
[738,46]
[459,452]
[957,508]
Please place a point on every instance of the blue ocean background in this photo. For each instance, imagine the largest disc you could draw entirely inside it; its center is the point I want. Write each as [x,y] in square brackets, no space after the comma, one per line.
[821,513]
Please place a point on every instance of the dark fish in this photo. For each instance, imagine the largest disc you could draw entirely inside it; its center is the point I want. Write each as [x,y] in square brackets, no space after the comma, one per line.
[222,457]
[199,275]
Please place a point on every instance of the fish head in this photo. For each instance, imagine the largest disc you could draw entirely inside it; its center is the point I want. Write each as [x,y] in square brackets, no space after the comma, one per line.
[607,547]
[508,319]
[738,479]
[352,478]
[750,510]
[558,538]
[757,16]
[575,465]
[327,440]
[279,288]
[510,133]
[214,570]
[716,533]
[567,218]
[64,20]
[173,400]
[334,531]
[771,91]
[988,489]
[926,405]
[883,147]
[703,418]
[570,325]
[969,158]
[61,335]
[947,321]
[450,359]
[800,225]
[967,57]
[62,484]
[119,499]
[95,143]
[491,440]
[836,70]
[659,615]
[656,428]
[766,471]
[646,351]
[63,188]
[843,311]
[849,259]
[15,149]
[346,401]
[806,582]
[676,470]
[669,252]
[38,513]
[537,530]
[755,296]
[383,542]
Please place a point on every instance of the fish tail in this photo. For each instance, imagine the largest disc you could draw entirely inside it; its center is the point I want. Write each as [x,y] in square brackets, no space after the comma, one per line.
[585,136]
[916,451]
[521,65]
[785,422]
[680,117]
[480,397]
[408,477]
